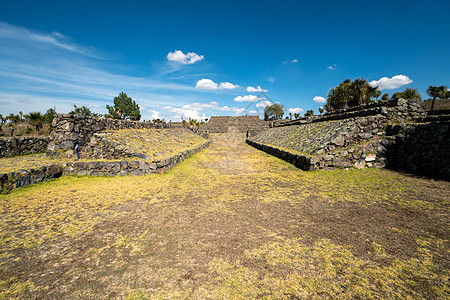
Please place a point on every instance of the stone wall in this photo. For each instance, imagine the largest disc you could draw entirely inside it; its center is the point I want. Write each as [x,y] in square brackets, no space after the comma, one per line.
[355,142]
[306,163]
[398,110]
[70,130]
[14,146]
[358,139]
[13,180]
[420,148]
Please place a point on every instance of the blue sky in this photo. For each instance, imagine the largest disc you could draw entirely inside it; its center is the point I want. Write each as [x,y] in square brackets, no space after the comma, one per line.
[202,58]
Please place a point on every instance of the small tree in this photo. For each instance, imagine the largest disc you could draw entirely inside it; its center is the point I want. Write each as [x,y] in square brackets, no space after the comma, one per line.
[408,93]
[385,96]
[274,112]
[297,115]
[124,108]
[377,94]
[35,118]
[309,113]
[321,110]
[83,112]
[49,115]
[350,93]
[13,118]
[440,92]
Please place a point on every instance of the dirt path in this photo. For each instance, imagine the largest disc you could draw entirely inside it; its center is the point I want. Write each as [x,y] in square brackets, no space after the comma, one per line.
[232,222]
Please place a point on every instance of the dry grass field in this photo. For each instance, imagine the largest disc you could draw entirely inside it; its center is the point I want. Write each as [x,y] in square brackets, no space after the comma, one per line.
[229,223]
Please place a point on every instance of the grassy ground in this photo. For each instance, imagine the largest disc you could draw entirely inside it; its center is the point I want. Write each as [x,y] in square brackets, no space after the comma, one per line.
[231,222]
[156,143]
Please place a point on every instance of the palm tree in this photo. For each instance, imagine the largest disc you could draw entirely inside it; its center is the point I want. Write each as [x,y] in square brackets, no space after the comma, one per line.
[290,116]
[35,118]
[309,113]
[21,114]
[408,93]
[359,89]
[351,93]
[13,118]
[340,96]
[362,91]
[377,94]
[440,92]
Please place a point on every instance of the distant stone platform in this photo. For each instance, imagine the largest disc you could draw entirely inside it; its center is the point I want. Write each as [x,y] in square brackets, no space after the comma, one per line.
[228,124]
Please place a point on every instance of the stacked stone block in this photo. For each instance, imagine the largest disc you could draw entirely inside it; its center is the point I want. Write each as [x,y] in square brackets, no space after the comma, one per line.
[14,146]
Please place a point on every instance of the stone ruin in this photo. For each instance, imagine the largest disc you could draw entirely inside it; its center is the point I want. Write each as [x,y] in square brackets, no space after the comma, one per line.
[69,130]
[241,124]
[86,132]
[381,134]
[395,134]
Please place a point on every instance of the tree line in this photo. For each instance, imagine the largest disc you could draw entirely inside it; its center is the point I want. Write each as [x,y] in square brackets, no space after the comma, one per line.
[354,93]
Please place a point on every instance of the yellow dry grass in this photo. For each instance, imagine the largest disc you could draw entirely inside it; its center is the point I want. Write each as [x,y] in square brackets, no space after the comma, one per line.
[206,230]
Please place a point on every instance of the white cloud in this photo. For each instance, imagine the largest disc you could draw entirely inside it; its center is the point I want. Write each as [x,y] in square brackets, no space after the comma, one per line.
[201,106]
[296,110]
[333,67]
[386,83]
[93,106]
[253,112]
[319,99]
[206,84]
[292,61]
[263,104]
[238,111]
[228,86]
[154,114]
[185,59]
[223,108]
[185,113]
[141,107]
[247,98]
[271,79]
[258,89]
